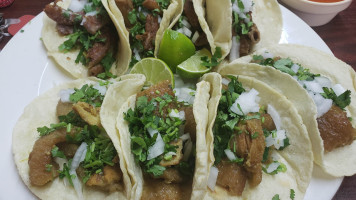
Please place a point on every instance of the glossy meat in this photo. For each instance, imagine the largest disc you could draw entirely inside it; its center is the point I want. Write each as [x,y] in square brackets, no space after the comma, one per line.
[94,23]
[232,177]
[41,156]
[63,108]
[55,12]
[108,181]
[68,149]
[125,7]
[151,28]
[268,122]
[155,189]
[150,4]
[335,129]
[64,29]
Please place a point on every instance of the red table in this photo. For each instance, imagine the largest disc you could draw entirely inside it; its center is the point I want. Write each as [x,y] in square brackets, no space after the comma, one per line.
[339,35]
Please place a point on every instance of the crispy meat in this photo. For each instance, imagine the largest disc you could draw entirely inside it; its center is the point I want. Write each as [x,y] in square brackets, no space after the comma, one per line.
[335,129]
[175,159]
[172,175]
[108,181]
[232,176]
[240,141]
[94,23]
[55,12]
[64,29]
[88,113]
[63,108]
[150,4]
[41,156]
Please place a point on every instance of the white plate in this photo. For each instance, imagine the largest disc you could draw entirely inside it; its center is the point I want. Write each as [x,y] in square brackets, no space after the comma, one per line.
[26,72]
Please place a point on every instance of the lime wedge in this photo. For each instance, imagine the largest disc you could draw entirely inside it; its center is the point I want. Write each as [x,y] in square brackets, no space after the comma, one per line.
[192,67]
[154,69]
[175,48]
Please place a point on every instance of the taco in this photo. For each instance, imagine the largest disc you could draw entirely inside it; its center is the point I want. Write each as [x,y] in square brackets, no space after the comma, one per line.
[162,132]
[322,88]
[258,146]
[85,39]
[61,143]
[240,27]
[145,22]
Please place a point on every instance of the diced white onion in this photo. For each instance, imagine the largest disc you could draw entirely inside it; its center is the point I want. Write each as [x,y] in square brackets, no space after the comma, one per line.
[157,149]
[83,21]
[187,32]
[175,114]
[186,23]
[185,95]
[195,36]
[338,89]
[267,54]
[225,81]
[247,102]
[77,184]
[213,176]
[235,49]
[185,137]
[137,54]
[275,116]
[295,68]
[65,94]
[278,141]
[272,167]
[152,131]
[171,153]
[324,107]
[60,162]
[92,13]
[275,157]
[323,81]
[180,30]
[248,5]
[313,86]
[230,155]
[188,147]
[82,149]
[159,19]
[101,88]
[77,5]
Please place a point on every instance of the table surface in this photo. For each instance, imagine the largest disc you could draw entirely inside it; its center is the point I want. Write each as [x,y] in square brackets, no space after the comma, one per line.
[339,35]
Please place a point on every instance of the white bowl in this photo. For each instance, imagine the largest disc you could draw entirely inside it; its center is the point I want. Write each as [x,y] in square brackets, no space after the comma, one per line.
[316,13]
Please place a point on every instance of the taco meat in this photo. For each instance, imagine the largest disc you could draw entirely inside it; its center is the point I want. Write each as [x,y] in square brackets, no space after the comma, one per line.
[108,181]
[232,177]
[150,4]
[125,6]
[335,129]
[149,36]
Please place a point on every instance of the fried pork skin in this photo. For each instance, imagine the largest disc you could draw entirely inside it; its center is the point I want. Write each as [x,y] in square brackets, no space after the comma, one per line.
[335,129]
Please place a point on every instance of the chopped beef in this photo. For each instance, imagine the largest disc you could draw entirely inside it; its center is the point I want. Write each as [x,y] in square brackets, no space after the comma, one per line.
[268,122]
[150,4]
[202,40]
[96,70]
[335,129]
[88,113]
[151,28]
[109,180]
[63,108]
[68,149]
[56,13]
[125,7]
[172,175]
[94,23]
[41,156]
[64,29]
[189,12]
[232,177]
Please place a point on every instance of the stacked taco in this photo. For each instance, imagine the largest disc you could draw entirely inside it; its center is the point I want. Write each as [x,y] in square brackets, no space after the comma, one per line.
[322,89]
[85,39]
[62,146]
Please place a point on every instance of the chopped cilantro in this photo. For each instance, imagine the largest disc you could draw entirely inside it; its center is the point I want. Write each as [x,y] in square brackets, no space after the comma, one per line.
[65,173]
[276,197]
[341,101]
[87,94]
[214,61]
[292,194]
[55,152]
[48,167]
[47,130]
[281,168]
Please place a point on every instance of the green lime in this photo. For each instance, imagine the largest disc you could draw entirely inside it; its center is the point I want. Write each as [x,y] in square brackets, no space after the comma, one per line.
[154,69]
[192,67]
[175,48]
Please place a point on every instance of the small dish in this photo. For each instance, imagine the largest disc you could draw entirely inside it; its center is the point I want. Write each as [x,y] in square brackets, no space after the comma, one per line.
[316,13]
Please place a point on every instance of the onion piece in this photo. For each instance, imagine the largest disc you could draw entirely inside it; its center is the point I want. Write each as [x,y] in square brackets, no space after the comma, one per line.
[82,149]
[275,116]
[235,49]
[185,137]
[225,81]
[267,54]
[247,102]
[77,184]
[338,89]
[195,36]
[323,81]
[156,149]
[313,86]
[152,131]
[295,68]
[65,94]
[175,114]
[230,155]
[187,32]
[188,147]
[101,88]
[272,167]
[77,5]
[186,23]
[213,176]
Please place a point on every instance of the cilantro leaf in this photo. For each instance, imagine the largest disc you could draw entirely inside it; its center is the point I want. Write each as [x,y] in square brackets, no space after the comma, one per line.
[47,130]
[292,194]
[341,101]
[214,61]
[55,152]
[276,197]
[156,170]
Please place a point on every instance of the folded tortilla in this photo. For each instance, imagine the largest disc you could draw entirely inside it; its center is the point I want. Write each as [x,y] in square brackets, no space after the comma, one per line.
[42,111]
[52,40]
[200,110]
[337,162]
[215,18]
[297,156]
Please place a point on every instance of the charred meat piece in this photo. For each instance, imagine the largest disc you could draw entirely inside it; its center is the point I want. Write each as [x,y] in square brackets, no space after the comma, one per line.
[151,28]
[172,175]
[268,122]
[64,29]
[63,108]
[56,13]
[41,156]
[189,12]
[254,158]
[94,23]
[335,129]
[156,189]
[125,7]
[232,176]
[108,181]
[150,4]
